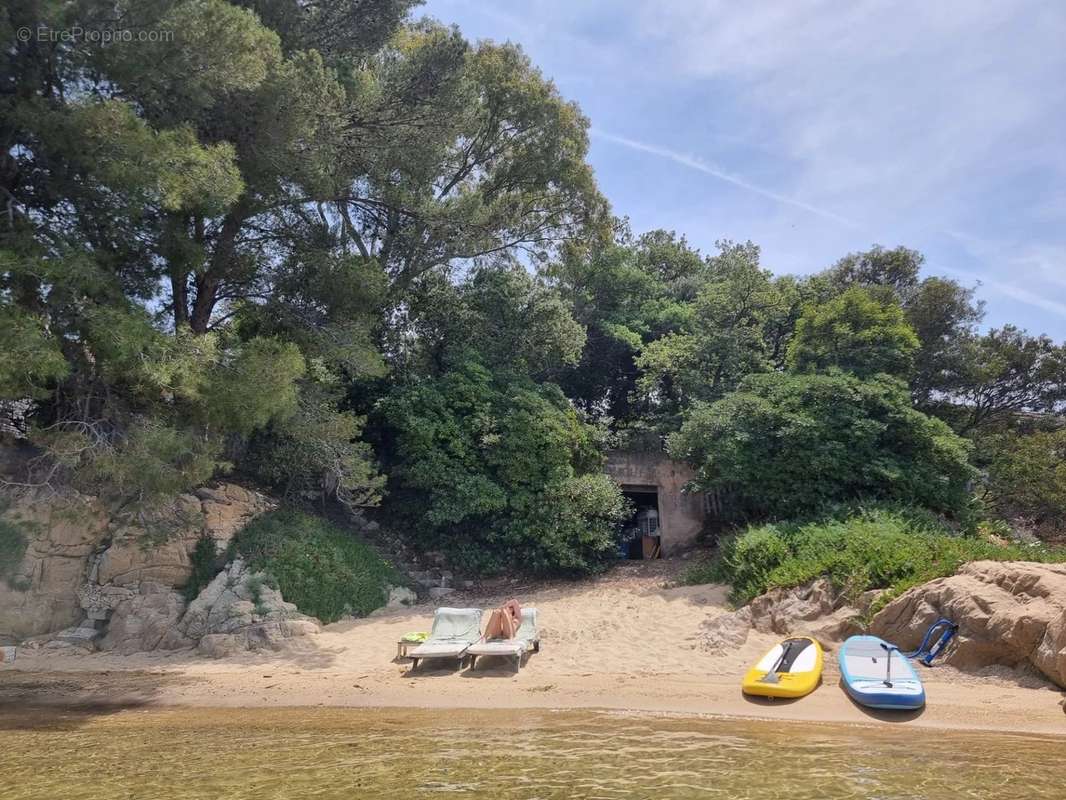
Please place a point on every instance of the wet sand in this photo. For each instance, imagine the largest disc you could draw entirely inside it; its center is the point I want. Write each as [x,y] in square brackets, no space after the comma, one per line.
[622,641]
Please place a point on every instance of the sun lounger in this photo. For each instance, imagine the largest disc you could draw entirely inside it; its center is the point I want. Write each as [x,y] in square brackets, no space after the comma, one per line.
[527,638]
[454,630]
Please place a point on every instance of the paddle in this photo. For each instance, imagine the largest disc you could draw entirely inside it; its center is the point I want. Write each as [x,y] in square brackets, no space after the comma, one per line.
[888,648]
[771,676]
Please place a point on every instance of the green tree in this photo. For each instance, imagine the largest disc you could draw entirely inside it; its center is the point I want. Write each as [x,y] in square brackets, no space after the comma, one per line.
[272,180]
[733,330]
[942,312]
[625,294]
[499,473]
[787,445]
[855,332]
[1025,476]
[1003,373]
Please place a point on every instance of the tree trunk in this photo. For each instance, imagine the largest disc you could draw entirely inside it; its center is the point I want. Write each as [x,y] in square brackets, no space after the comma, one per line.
[207,283]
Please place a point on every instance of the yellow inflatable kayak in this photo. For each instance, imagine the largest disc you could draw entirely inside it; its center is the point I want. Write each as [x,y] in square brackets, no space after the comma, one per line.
[791,669]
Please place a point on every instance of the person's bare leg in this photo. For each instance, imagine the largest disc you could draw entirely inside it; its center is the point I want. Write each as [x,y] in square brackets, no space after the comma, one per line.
[494,627]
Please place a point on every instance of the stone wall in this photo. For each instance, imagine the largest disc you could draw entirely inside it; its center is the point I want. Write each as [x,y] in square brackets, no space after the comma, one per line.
[80,561]
[681,513]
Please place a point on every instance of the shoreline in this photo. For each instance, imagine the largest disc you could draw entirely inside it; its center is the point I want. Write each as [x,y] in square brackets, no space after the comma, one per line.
[626,642]
[1004,710]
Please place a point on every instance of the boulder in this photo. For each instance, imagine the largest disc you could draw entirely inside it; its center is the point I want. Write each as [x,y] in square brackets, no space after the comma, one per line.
[156,550]
[239,610]
[813,609]
[1008,612]
[142,621]
[400,596]
[160,548]
[228,508]
[726,631]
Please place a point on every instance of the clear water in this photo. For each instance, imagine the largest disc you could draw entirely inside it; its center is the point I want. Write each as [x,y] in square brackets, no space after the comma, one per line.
[532,755]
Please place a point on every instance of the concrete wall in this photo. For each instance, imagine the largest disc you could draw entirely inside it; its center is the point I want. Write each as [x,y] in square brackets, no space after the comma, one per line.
[680,513]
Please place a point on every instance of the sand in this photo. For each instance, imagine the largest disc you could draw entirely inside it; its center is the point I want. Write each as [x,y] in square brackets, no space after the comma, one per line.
[628,640]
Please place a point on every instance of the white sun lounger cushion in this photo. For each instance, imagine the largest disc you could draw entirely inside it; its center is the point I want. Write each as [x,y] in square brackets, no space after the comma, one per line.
[454,630]
[524,639]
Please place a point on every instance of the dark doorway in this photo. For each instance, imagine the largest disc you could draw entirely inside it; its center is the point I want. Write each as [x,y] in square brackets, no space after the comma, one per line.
[641,530]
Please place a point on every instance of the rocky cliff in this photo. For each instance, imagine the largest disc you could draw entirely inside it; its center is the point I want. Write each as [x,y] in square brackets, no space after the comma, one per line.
[82,561]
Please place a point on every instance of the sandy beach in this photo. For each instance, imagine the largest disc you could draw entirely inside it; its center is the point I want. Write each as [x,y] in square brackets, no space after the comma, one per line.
[622,641]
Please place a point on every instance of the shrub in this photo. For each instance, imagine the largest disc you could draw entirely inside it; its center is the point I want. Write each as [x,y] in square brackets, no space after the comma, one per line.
[324,570]
[500,472]
[316,449]
[860,549]
[12,548]
[205,566]
[789,445]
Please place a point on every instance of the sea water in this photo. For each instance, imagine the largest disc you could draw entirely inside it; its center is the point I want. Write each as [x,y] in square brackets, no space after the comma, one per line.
[197,754]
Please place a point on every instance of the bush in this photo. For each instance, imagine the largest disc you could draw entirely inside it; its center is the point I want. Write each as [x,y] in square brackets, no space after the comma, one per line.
[205,566]
[790,445]
[860,549]
[324,570]
[316,449]
[12,548]
[499,472]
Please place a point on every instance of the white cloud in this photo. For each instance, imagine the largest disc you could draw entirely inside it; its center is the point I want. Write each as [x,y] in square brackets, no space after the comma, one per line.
[891,107]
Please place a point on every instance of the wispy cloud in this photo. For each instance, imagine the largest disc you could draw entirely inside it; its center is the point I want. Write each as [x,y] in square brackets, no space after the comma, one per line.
[1011,290]
[1030,266]
[700,165]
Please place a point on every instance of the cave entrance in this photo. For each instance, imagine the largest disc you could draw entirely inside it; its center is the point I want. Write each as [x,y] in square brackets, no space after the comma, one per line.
[641,538]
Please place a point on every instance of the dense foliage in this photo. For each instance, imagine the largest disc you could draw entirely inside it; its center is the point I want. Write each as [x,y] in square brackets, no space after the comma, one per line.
[205,234]
[500,473]
[857,550]
[1026,477]
[856,332]
[789,444]
[324,570]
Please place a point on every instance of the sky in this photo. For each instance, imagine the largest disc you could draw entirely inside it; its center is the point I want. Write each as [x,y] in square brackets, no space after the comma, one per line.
[816,128]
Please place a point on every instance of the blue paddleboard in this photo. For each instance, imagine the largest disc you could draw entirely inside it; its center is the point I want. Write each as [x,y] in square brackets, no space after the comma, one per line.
[877,675]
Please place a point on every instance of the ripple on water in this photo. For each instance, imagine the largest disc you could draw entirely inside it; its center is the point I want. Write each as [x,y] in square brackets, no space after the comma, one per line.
[194,754]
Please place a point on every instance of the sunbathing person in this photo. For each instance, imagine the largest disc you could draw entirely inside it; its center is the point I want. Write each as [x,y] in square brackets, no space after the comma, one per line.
[504,621]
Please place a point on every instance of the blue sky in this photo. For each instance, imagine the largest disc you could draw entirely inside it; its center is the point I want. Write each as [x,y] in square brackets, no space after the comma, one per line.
[815,128]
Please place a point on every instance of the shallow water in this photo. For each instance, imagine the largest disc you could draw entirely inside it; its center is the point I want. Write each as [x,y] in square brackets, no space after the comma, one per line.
[194,754]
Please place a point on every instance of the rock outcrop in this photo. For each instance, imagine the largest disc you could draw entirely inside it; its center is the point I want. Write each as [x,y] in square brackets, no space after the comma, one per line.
[814,609]
[1008,612]
[141,552]
[40,594]
[81,561]
[144,619]
[239,610]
